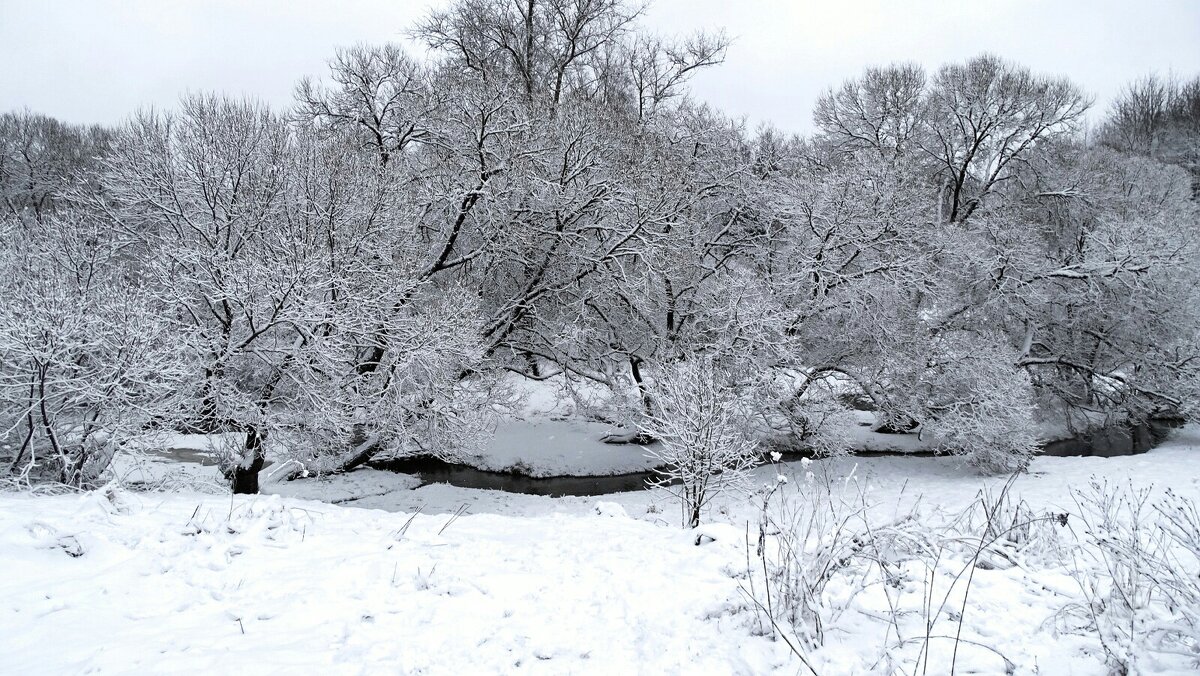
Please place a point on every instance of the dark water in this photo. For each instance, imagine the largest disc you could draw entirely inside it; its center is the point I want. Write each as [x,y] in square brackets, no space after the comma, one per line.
[433,470]
[1114,441]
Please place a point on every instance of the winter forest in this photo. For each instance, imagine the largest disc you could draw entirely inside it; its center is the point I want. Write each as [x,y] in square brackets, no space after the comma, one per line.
[508,354]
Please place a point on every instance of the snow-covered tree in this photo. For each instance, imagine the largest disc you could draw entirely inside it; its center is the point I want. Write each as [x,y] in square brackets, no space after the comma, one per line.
[1159,117]
[297,279]
[42,160]
[705,445]
[85,360]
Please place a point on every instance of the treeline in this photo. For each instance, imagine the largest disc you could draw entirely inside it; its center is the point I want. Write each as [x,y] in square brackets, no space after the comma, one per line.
[362,273]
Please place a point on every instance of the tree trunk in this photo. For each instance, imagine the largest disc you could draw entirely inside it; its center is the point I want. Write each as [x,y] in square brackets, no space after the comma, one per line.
[534,368]
[206,421]
[245,479]
[635,368]
[363,448]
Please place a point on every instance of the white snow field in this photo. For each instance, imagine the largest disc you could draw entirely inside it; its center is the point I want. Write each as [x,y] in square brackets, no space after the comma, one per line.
[445,580]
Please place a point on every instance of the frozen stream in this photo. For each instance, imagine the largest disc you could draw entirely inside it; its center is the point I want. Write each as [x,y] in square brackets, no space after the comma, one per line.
[1105,443]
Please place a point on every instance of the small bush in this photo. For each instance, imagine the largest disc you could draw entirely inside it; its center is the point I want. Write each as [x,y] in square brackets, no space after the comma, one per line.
[705,448]
[1137,570]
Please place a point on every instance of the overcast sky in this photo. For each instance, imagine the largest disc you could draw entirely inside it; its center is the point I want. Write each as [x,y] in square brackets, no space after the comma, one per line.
[97,60]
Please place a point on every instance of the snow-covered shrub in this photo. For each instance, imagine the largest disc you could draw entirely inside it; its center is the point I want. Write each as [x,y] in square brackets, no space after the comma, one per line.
[819,544]
[939,558]
[804,538]
[824,553]
[1137,570]
[705,449]
[979,405]
[1008,531]
[1179,576]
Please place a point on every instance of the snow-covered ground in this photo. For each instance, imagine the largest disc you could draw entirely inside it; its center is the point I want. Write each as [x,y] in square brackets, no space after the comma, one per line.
[199,584]
[439,579]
